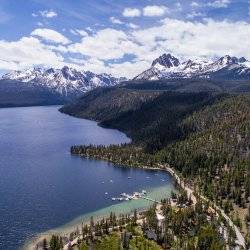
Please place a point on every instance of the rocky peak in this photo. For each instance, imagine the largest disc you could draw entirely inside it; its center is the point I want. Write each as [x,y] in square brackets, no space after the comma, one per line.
[167,66]
[166,60]
[242,60]
[228,60]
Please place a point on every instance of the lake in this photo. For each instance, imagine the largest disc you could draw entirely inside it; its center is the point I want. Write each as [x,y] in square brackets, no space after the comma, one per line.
[43,187]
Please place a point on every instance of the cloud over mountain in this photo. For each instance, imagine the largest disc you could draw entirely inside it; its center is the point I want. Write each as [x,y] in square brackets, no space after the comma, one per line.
[125,41]
[50,35]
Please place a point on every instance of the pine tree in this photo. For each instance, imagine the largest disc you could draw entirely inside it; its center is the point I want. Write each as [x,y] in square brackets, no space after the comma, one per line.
[45,244]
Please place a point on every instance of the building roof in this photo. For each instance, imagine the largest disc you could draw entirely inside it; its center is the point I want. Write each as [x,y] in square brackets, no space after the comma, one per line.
[160,217]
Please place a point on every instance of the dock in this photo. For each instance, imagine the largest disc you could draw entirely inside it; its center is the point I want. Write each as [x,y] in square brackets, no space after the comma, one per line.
[149,199]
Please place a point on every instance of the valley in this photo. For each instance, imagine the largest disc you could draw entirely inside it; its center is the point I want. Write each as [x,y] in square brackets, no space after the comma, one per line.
[195,126]
[125,125]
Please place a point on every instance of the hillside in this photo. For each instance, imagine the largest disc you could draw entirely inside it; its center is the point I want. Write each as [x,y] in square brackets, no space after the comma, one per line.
[106,103]
[219,136]
[216,154]
[157,122]
[14,94]
[191,85]
[103,104]
[151,117]
[204,136]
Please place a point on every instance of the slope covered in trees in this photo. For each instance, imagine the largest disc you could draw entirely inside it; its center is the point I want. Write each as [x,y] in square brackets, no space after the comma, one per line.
[158,122]
[192,85]
[205,137]
[151,118]
[216,155]
[15,94]
[106,103]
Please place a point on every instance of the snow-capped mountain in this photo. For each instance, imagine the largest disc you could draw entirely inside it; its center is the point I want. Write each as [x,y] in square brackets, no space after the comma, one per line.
[68,82]
[168,66]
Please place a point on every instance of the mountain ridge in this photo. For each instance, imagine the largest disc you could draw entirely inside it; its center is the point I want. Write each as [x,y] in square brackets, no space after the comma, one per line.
[69,83]
[168,66]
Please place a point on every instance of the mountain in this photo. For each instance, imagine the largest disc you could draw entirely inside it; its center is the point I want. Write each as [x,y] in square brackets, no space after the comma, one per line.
[18,94]
[66,82]
[105,103]
[170,67]
[150,117]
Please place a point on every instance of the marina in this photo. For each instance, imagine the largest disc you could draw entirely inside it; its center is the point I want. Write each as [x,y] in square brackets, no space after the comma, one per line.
[134,196]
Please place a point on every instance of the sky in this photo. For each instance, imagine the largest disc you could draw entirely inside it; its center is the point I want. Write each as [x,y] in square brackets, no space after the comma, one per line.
[119,37]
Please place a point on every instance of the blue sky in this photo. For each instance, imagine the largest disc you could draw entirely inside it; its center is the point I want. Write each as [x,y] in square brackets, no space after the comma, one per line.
[120,37]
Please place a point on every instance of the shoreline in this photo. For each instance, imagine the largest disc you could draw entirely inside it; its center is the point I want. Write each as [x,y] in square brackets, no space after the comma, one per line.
[240,239]
[66,229]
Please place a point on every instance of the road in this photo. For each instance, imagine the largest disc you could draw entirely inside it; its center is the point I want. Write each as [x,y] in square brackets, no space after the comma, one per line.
[240,238]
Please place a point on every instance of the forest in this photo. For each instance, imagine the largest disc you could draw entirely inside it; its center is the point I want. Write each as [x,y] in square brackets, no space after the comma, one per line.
[192,227]
[204,136]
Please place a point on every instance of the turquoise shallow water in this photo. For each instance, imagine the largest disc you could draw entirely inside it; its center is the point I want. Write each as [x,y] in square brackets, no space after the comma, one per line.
[125,207]
[43,187]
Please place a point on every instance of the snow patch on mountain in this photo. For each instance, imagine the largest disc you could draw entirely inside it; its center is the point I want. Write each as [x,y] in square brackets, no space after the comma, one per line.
[68,82]
[168,66]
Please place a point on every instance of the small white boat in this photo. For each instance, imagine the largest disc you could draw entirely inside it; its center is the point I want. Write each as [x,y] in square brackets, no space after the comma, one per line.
[129,177]
[106,193]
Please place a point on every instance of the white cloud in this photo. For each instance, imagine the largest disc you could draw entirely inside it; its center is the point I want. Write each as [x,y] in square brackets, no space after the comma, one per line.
[182,38]
[78,32]
[154,10]
[106,44]
[194,14]
[50,35]
[178,6]
[48,13]
[82,32]
[195,4]
[128,69]
[27,52]
[133,26]
[72,31]
[209,38]
[219,3]
[107,50]
[115,20]
[131,12]
[90,29]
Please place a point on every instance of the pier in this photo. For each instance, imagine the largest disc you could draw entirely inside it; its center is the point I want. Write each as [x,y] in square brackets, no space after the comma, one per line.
[149,199]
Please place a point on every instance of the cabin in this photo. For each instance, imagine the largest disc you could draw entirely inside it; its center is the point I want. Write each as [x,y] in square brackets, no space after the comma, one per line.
[150,234]
[160,219]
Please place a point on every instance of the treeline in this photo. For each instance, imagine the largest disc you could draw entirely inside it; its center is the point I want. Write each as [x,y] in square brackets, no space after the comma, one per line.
[124,154]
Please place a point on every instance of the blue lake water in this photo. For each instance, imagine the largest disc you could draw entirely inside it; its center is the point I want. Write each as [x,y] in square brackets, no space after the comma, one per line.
[43,187]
